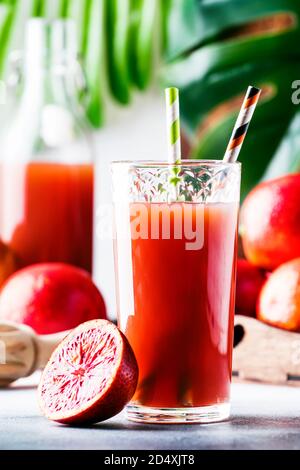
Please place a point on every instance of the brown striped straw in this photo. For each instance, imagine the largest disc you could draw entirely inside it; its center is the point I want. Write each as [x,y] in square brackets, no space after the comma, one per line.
[242,124]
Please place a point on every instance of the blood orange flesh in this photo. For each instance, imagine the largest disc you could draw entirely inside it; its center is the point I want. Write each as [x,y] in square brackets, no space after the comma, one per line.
[90,377]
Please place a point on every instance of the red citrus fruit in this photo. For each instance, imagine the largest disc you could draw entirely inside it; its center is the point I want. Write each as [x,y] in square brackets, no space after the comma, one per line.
[279,302]
[250,280]
[270,222]
[51,298]
[90,377]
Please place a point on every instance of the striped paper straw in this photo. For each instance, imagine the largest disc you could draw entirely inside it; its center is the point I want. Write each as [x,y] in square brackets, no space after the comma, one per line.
[173,124]
[242,124]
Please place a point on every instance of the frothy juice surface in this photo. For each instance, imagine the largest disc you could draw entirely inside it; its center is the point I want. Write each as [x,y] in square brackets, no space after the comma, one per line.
[181,329]
[47,212]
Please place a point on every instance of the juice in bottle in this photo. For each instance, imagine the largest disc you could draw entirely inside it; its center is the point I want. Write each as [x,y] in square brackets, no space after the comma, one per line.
[46,212]
[181,328]
[46,154]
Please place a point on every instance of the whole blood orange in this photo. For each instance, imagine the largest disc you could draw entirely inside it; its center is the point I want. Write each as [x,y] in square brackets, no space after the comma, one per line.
[51,298]
[270,222]
[249,282]
[279,302]
[90,377]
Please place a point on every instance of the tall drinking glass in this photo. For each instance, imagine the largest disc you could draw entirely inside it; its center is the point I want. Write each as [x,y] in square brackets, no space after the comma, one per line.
[175,257]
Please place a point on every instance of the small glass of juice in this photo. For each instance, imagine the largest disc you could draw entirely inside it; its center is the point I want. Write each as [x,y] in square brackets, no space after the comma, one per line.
[175,257]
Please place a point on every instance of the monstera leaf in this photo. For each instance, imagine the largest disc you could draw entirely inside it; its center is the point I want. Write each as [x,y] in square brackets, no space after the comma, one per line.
[254,46]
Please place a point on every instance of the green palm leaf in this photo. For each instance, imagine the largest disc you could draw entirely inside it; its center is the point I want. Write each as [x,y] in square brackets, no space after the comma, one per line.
[118,33]
[39,8]
[141,49]
[6,22]
[94,62]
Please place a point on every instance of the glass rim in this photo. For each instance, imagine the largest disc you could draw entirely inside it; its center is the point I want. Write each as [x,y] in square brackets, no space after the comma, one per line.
[165,164]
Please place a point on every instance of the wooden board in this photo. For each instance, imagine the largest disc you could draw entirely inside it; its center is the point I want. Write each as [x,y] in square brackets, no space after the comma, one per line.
[265,354]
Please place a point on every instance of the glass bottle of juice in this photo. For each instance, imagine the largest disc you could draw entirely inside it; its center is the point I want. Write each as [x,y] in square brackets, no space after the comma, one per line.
[46,156]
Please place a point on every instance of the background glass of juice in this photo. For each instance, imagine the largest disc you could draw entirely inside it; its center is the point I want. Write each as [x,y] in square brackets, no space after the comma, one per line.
[175,256]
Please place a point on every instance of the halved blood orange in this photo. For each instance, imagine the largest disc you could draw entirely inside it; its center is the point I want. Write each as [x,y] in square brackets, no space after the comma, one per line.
[90,377]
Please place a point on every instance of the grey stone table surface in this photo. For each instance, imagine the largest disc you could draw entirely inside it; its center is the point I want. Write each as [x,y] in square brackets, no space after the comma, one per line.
[263,417]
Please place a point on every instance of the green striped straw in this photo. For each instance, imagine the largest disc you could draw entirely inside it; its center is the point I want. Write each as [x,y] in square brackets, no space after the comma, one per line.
[173,125]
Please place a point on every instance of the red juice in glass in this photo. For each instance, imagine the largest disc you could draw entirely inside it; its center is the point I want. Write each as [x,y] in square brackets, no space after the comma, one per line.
[182,327]
[176,273]
[46,212]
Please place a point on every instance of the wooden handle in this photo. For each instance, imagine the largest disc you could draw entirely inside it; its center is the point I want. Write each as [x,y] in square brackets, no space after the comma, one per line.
[22,352]
[17,353]
[45,346]
[266,354]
